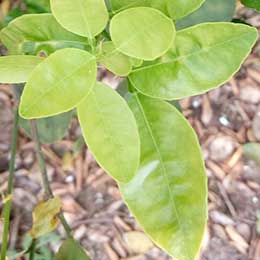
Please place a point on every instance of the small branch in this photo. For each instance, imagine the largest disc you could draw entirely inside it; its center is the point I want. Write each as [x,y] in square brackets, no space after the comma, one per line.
[92,42]
[32,249]
[40,158]
[46,185]
[8,203]
[65,224]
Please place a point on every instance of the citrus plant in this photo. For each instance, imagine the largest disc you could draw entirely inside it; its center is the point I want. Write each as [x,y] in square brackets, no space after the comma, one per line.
[141,140]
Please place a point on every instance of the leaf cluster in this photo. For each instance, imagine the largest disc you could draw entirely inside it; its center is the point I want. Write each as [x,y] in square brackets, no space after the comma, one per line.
[141,140]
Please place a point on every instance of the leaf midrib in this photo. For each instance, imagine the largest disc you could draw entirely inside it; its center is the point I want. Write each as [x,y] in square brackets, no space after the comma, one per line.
[50,88]
[55,42]
[143,31]
[108,133]
[50,42]
[88,29]
[191,54]
[164,173]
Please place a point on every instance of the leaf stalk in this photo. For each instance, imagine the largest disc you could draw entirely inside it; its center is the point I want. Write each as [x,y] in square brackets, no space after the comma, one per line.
[46,185]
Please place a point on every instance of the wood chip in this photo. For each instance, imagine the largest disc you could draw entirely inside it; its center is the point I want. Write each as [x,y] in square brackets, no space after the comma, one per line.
[79,173]
[137,242]
[257,251]
[119,248]
[207,113]
[110,252]
[240,248]
[138,257]
[218,172]
[254,75]
[250,135]
[220,218]
[236,237]
[235,157]
[227,200]
[121,224]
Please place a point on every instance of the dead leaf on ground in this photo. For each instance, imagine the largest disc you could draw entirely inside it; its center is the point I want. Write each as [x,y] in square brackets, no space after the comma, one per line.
[45,217]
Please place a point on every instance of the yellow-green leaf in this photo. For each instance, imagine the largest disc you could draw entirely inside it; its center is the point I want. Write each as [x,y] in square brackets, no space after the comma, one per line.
[84,17]
[110,132]
[168,194]
[210,11]
[31,33]
[115,61]
[136,62]
[252,151]
[58,84]
[173,8]
[45,217]
[71,250]
[17,68]
[196,64]
[142,32]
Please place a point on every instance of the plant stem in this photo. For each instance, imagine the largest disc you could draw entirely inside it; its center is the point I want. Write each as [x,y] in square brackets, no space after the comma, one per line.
[46,185]
[92,42]
[32,249]
[8,203]
[41,161]
[65,224]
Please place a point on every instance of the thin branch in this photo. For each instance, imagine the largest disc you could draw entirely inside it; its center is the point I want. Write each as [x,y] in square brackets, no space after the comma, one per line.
[40,158]
[8,202]
[32,249]
[46,185]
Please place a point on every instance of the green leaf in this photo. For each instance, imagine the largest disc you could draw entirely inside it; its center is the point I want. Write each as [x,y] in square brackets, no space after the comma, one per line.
[51,129]
[115,61]
[173,8]
[38,32]
[142,32]
[252,151]
[58,84]
[84,17]
[71,250]
[136,62]
[39,6]
[45,217]
[124,4]
[195,64]
[110,131]
[252,4]
[168,194]
[210,11]
[17,68]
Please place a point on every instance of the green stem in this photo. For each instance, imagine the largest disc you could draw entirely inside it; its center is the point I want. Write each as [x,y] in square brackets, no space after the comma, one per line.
[32,249]
[46,185]
[65,224]
[8,203]
[41,161]
[93,44]
[130,87]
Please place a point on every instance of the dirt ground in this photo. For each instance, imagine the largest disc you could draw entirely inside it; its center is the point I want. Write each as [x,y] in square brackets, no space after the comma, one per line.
[224,119]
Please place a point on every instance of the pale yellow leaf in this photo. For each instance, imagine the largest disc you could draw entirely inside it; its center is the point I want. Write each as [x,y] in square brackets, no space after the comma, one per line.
[45,217]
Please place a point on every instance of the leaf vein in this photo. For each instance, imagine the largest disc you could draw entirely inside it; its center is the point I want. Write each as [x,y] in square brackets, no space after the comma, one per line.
[164,173]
